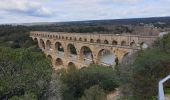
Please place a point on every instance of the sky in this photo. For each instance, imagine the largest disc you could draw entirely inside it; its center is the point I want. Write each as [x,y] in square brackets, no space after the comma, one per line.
[28,11]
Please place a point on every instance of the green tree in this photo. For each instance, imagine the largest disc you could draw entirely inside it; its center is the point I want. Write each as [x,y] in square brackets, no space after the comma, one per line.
[21,71]
[94,93]
[77,81]
[141,73]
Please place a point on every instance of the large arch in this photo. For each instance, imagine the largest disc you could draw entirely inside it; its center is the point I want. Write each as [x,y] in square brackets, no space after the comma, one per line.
[59,49]
[49,45]
[86,55]
[72,52]
[144,45]
[59,62]
[106,57]
[42,44]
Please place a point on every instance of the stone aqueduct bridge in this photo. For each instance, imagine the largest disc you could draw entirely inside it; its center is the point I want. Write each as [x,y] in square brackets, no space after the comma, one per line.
[81,49]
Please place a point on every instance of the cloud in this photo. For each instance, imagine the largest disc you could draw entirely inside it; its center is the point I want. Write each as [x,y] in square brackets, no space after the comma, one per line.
[74,10]
[25,7]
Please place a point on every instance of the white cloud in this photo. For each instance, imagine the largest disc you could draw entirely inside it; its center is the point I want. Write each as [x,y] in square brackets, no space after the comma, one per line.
[68,10]
[27,7]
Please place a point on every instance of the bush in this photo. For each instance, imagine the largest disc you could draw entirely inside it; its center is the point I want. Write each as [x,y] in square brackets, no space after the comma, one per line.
[21,71]
[79,80]
[140,76]
[94,93]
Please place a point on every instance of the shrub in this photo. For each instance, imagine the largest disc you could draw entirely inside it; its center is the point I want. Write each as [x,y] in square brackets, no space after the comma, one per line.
[79,80]
[94,93]
[21,71]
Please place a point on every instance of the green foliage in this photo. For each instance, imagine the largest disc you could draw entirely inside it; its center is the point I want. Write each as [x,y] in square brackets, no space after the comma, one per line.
[15,36]
[77,81]
[27,96]
[94,93]
[163,43]
[141,76]
[21,71]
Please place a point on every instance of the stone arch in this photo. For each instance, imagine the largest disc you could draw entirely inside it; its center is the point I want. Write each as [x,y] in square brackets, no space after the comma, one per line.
[66,38]
[85,40]
[114,42]
[144,45]
[71,49]
[42,43]
[56,37]
[71,65]
[106,42]
[91,41]
[59,47]
[86,55]
[62,37]
[123,43]
[133,44]
[49,57]
[49,45]
[106,57]
[98,41]
[75,39]
[80,39]
[35,40]
[70,38]
[59,62]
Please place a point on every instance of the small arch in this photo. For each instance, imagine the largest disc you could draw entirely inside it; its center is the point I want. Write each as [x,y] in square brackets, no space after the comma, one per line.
[98,41]
[114,42]
[71,65]
[70,38]
[49,57]
[59,62]
[133,44]
[91,41]
[75,39]
[49,45]
[36,40]
[62,37]
[66,38]
[85,40]
[80,39]
[123,43]
[106,42]
[56,37]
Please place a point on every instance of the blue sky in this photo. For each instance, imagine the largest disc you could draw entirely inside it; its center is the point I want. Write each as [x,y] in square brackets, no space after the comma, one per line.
[27,11]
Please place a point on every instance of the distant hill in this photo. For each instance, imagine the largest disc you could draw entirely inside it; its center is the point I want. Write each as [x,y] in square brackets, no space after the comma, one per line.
[131,21]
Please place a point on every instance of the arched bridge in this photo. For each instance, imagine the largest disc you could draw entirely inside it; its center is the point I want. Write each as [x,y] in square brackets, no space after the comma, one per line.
[82,49]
